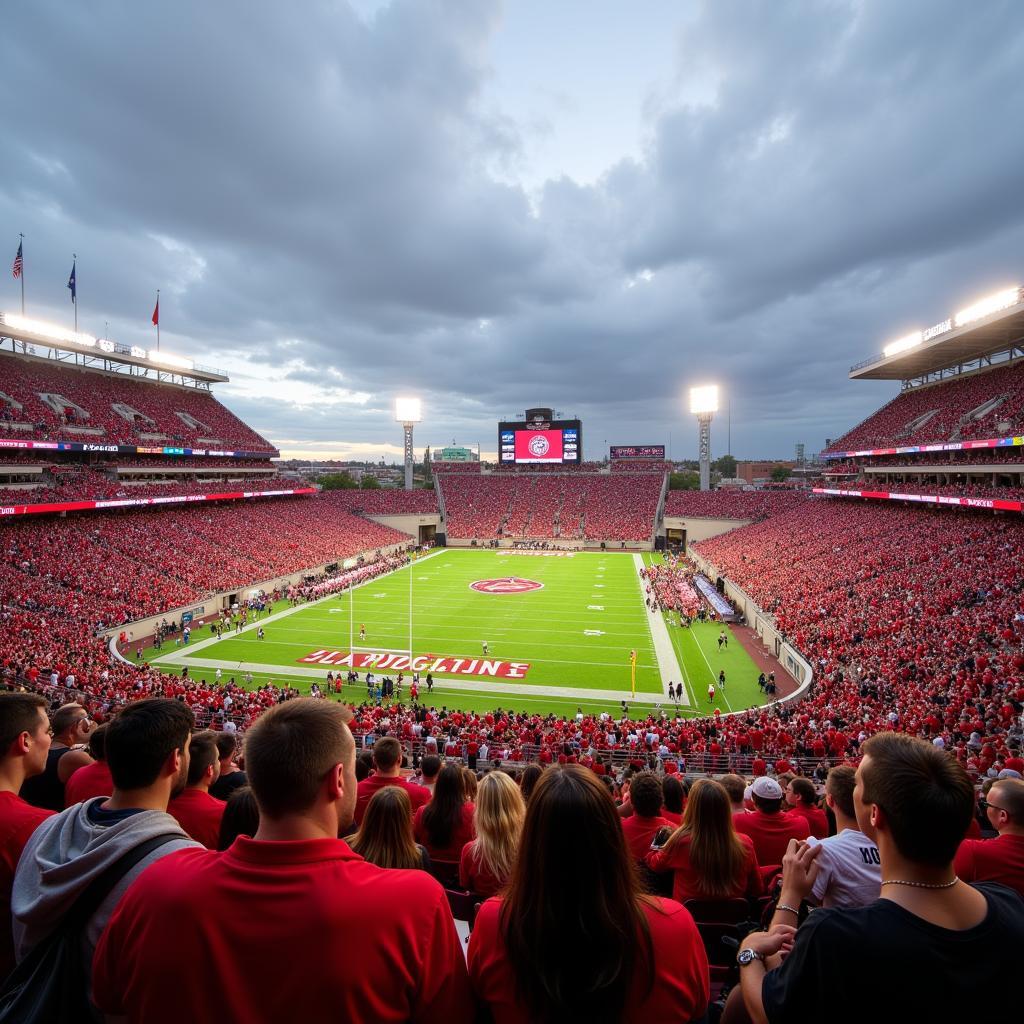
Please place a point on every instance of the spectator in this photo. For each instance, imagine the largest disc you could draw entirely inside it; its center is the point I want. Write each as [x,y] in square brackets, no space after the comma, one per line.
[429,768]
[767,826]
[1000,859]
[294,879]
[387,759]
[24,744]
[92,779]
[645,821]
[486,863]
[802,800]
[385,837]
[708,859]
[529,779]
[735,786]
[469,784]
[197,812]
[643,959]
[230,777]
[71,725]
[849,867]
[915,802]
[445,825]
[241,817]
[673,800]
[147,747]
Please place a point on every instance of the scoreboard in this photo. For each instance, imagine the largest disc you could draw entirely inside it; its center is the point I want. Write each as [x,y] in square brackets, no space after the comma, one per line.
[540,440]
[637,451]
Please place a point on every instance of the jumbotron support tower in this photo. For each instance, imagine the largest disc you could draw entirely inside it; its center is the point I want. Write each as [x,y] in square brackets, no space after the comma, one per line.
[408,412]
[703,405]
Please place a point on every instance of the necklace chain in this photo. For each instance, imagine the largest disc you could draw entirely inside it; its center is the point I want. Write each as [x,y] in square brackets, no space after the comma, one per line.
[923,885]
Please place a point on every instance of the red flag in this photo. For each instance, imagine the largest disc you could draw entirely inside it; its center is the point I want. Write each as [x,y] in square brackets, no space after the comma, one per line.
[156,312]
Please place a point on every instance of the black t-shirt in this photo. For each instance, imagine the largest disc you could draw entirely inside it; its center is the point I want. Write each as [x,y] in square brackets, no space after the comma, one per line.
[882,962]
[227,784]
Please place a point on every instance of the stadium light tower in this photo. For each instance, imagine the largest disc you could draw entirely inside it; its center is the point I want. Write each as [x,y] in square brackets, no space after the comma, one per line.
[703,405]
[408,412]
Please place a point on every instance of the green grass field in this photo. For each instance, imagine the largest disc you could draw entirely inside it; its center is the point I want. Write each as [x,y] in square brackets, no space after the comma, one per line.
[574,633]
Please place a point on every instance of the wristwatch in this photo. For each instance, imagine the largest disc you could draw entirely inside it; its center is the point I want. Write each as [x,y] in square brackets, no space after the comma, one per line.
[747,956]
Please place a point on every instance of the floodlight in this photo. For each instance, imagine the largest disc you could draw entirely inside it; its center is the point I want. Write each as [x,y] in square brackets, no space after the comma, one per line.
[45,330]
[990,304]
[902,344]
[408,410]
[704,400]
[167,359]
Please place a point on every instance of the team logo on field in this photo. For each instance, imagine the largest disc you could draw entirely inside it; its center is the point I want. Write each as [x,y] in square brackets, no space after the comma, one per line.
[539,446]
[506,585]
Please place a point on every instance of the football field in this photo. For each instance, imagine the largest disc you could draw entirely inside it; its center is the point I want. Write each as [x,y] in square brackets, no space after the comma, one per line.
[559,629]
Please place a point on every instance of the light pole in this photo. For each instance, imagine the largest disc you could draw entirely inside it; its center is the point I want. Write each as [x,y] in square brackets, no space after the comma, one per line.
[408,412]
[703,405]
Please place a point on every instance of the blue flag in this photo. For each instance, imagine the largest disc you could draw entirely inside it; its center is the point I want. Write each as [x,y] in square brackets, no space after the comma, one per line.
[71,283]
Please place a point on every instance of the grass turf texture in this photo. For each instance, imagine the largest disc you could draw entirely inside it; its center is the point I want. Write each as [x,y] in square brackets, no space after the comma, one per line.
[576,632]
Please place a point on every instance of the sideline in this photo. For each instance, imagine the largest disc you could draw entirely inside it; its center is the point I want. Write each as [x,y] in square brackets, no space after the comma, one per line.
[668,664]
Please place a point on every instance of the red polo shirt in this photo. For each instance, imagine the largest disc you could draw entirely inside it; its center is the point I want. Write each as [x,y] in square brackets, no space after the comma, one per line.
[640,831]
[992,860]
[684,881]
[386,948]
[88,781]
[365,790]
[771,833]
[681,984]
[817,820]
[463,833]
[18,820]
[199,815]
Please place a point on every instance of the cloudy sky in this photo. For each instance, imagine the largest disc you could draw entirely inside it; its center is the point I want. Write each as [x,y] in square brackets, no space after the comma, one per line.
[587,204]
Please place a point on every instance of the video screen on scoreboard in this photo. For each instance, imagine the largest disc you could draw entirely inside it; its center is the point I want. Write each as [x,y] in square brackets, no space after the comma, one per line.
[525,445]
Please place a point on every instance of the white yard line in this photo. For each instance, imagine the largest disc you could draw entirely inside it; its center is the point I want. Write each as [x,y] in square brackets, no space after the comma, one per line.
[718,689]
[668,664]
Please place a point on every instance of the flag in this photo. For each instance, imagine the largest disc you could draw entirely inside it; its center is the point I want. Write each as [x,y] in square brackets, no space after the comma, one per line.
[18,262]
[632,672]
[71,283]
[156,313]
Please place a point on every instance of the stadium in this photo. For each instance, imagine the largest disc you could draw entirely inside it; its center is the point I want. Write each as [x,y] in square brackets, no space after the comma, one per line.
[563,724]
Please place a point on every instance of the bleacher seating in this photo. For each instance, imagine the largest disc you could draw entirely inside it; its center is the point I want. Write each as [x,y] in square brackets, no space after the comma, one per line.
[732,504]
[82,408]
[980,405]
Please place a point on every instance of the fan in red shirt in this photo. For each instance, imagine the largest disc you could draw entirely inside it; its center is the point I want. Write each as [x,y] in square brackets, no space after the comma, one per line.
[91,779]
[707,858]
[386,945]
[445,825]
[387,760]
[24,744]
[802,801]
[1000,859]
[644,960]
[767,826]
[643,824]
[485,865]
[198,813]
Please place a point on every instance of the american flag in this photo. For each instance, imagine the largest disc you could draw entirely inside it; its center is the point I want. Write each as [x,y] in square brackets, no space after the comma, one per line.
[16,269]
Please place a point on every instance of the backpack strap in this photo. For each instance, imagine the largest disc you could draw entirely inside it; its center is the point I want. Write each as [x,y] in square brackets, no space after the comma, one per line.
[101,887]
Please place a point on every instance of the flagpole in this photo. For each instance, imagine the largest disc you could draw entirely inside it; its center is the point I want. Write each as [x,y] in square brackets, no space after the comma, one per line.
[74,293]
[21,247]
[158,319]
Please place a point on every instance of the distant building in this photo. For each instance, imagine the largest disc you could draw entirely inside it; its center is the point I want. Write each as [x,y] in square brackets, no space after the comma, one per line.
[455,455]
[756,474]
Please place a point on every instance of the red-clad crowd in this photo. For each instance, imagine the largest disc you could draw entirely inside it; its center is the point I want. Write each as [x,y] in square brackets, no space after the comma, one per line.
[732,504]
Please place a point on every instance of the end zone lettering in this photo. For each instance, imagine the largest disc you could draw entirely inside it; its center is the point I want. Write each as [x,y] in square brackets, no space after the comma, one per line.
[380,661]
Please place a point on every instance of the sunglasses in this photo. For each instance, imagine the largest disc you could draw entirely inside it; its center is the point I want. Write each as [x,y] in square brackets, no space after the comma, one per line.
[985,805]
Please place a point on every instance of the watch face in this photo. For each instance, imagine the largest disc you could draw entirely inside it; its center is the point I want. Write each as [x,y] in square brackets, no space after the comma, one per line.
[745,956]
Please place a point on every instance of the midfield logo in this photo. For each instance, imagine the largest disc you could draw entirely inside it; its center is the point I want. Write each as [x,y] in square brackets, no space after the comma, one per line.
[505,585]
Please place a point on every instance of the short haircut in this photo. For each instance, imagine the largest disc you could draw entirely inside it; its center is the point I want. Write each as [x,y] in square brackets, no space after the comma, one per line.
[1009,794]
[766,806]
[227,744]
[65,717]
[19,712]
[387,752]
[927,797]
[839,785]
[141,738]
[202,753]
[290,750]
[735,786]
[98,742]
[804,789]
[430,765]
[645,794]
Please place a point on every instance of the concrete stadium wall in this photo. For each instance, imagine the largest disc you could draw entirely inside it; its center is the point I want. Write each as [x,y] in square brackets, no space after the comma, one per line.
[795,664]
[212,605]
[409,523]
[702,529]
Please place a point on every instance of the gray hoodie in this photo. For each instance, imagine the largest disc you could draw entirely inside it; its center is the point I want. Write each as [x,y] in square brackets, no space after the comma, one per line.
[65,854]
